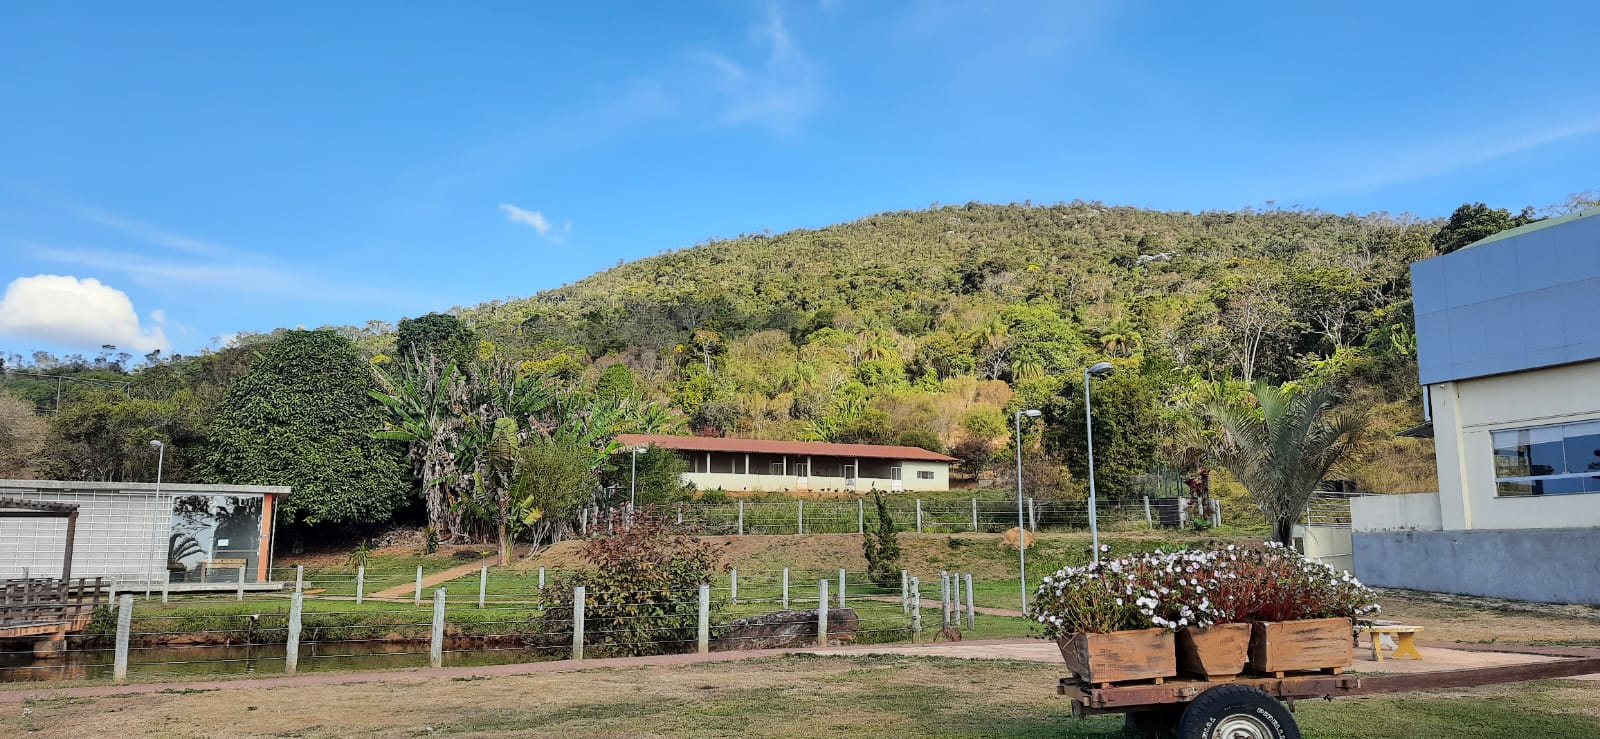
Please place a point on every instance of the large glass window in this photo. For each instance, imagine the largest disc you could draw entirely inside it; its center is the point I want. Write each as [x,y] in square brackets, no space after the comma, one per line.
[212,536]
[1548,460]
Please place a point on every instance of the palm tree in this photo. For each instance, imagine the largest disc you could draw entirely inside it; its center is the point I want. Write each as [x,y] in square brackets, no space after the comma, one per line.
[1282,448]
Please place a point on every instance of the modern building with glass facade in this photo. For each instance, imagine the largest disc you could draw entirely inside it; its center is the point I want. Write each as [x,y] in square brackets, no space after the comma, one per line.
[189,536]
[1508,349]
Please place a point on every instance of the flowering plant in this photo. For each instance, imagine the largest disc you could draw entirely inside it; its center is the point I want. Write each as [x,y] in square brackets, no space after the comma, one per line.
[1198,588]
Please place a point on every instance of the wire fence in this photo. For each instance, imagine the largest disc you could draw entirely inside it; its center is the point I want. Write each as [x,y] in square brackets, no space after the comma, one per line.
[464,622]
[755,518]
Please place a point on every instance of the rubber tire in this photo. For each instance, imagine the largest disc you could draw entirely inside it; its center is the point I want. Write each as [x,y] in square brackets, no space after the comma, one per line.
[1217,703]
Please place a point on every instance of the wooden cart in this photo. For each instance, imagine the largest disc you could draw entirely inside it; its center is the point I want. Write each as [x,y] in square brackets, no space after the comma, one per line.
[1261,707]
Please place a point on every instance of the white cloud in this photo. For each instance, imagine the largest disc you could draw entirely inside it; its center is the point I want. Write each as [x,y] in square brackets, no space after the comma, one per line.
[777,92]
[528,217]
[158,315]
[81,312]
[537,221]
[1364,169]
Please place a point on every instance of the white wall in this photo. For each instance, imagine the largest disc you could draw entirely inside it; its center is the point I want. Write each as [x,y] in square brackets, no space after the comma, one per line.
[1329,545]
[1412,512]
[1466,412]
[779,483]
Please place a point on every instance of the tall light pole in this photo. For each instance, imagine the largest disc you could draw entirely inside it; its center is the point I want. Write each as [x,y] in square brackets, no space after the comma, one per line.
[155,526]
[1100,369]
[633,482]
[1022,530]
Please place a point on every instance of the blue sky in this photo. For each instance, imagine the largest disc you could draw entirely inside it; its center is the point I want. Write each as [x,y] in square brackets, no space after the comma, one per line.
[189,170]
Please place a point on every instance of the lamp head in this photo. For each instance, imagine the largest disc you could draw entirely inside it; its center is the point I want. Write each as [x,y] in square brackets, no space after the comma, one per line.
[1100,369]
[1031,413]
[156,444]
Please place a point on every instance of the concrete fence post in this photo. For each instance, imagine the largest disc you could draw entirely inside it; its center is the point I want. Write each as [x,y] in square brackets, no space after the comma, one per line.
[1033,517]
[436,644]
[165,587]
[1216,513]
[119,669]
[541,578]
[741,518]
[680,514]
[583,522]
[955,597]
[785,588]
[841,587]
[703,635]
[361,583]
[1147,521]
[800,517]
[916,605]
[861,516]
[299,578]
[974,515]
[577,623]
[944,598]
[733,588]
[822,612]
[416,598]
[972,609]
[905,597]
[483,584]
[291,648]
[239,594]
[919,515]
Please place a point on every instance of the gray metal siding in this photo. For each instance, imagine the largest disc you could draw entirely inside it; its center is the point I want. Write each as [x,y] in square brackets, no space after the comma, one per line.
[1517,303]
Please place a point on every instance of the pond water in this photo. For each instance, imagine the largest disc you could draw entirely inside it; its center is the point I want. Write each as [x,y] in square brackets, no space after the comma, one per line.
[204,661]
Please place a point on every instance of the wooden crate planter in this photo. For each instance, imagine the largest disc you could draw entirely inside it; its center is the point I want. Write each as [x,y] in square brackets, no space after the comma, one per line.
[1288,646]
[1215,652]
[1120,656]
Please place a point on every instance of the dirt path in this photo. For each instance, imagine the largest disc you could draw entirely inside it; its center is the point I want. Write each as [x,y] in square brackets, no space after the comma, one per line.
[1435,657]
[428,581]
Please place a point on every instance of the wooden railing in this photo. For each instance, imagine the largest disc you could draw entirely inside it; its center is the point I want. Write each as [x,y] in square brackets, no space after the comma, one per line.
[49,600]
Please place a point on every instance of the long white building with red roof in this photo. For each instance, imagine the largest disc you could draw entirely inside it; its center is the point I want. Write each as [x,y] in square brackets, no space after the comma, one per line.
[761,465]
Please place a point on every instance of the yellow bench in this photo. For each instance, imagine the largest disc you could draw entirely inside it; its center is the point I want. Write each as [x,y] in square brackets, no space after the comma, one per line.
[1404,637]
[229,565]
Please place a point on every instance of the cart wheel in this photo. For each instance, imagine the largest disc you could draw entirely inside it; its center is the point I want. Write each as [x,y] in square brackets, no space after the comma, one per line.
[1237,712]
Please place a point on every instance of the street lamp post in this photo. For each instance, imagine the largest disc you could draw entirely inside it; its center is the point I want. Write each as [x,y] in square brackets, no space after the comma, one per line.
[1098,370]
[155,526]
[1022,531]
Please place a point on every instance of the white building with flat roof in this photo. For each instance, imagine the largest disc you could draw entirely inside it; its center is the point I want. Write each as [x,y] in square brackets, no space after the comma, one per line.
[1508,353]
[136,533]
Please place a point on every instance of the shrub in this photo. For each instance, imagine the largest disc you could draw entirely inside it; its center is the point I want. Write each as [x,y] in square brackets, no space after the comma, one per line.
[882,547]
[641,589]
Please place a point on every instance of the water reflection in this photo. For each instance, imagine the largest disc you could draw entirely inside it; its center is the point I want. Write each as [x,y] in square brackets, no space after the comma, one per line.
[198,661]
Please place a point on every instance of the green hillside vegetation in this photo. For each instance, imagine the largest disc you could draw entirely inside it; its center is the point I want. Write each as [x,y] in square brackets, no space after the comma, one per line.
[926,328]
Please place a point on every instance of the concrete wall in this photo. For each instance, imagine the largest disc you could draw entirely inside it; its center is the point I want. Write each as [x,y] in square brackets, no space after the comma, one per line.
[1545,565]
[1416,512]
[1329,545]
[1465,413]
[781,483]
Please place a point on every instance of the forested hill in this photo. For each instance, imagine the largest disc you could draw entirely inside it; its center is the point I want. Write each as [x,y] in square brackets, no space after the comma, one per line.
[922,326]
[925,327]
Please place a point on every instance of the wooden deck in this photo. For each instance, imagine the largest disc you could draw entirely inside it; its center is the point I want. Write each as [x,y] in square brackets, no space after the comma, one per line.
[45,610]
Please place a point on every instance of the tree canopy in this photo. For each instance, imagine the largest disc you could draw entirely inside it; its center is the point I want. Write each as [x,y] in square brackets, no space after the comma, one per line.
[302,417]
